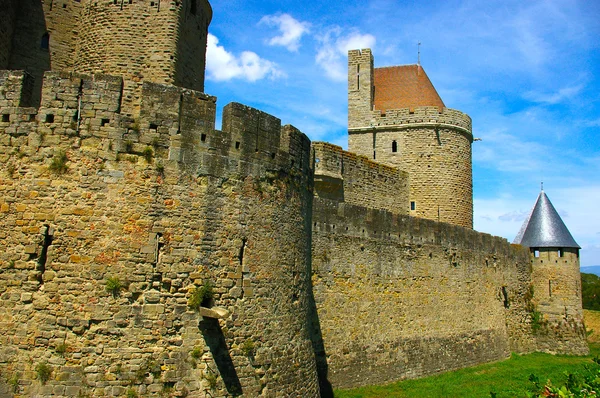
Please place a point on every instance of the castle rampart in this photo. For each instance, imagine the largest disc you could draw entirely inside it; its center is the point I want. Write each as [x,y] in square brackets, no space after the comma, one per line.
[162,203]
[413,297]
[345,177]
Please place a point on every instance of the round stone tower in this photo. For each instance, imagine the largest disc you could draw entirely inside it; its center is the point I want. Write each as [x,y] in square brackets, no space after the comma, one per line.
[160,41]
[396,117]
[557,315]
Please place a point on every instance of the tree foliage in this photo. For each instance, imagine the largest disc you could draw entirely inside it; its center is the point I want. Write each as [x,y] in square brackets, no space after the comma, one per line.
[590,291]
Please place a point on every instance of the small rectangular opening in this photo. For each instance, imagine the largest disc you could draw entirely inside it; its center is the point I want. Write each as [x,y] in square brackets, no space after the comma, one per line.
[5,117]
[536,253]
[31,118]
[153,126]
[105,122]
[202,137]
[49,118]
[550,288]
[237,145]
[561,253]
[413,205]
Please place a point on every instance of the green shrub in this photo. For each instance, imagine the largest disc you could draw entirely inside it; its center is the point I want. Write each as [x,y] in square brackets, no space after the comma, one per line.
[160,169]
[131,393]
[128,146]
[61,349]
[59,163]
[114,286]
[44,371]
[201,296]
[211,380]
[197,352]
[148,153]
[13,382]
[248,348]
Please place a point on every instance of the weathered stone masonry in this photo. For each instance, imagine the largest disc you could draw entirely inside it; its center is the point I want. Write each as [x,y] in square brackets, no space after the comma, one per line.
[322,273]
[231,208]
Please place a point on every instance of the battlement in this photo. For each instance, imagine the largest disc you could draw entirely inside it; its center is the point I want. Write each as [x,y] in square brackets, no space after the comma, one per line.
[346,177]
[175,127]
[413,117]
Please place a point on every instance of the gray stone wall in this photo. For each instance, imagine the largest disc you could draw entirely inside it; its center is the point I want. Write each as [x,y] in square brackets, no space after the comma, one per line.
[163,203]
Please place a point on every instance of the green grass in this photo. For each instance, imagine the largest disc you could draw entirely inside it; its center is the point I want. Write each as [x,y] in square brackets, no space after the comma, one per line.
[508,378]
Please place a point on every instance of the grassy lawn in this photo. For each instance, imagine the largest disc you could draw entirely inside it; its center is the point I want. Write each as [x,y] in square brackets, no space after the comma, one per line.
[507,378]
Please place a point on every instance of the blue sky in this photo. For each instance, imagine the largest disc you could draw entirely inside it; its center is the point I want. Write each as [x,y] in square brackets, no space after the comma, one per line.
[527,72]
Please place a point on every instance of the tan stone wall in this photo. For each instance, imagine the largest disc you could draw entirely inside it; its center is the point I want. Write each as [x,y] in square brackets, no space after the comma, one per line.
[557,296]
[165,203]
[402,297]
[344,176]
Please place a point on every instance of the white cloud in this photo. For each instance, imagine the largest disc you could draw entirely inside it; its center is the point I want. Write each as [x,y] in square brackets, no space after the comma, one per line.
[561,95]
[334,48]
[222,65]
[291,30]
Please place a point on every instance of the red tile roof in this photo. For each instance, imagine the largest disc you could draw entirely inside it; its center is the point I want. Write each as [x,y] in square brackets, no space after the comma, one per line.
[405,86]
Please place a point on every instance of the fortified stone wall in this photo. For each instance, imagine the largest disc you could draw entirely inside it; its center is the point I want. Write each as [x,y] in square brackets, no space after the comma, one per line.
[557,299]
[403,297]
[345,177]
[160,205]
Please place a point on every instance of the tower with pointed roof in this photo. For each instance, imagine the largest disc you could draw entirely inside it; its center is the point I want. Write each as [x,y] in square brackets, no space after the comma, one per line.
[396,117]
[557,315]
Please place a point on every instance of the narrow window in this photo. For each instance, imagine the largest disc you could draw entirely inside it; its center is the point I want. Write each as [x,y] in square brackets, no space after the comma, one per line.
[105,122]
[413,205]
[5,117]
[45,43]
[561,253]
[202,137]
[373,154]
[49,118]
[358,77]
[536,253]
[193,7]
[550,288]
[394,146]
[237,146]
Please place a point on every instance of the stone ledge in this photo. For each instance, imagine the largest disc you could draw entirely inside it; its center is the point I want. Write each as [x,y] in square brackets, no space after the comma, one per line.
[215,312]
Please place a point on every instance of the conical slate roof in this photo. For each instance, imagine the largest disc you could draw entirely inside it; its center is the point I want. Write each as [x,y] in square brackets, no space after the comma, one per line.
[544,227]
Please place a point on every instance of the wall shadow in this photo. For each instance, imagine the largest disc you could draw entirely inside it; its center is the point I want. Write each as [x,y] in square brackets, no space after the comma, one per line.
[214,338]
[318,345]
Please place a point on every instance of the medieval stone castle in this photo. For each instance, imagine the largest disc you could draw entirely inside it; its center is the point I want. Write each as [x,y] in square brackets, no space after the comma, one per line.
[119,200]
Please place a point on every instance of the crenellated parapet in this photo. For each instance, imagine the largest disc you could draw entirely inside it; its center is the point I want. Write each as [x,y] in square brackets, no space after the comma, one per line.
[418,117]
[346,177]
[175,127]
